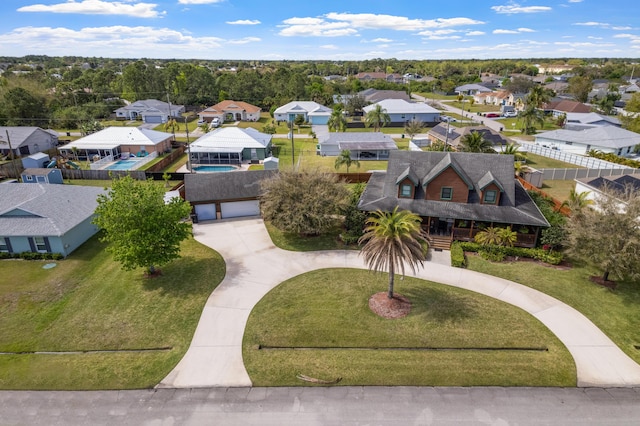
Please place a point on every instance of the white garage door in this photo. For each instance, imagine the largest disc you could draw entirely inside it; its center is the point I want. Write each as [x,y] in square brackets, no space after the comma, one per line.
[240,208]
[206,211]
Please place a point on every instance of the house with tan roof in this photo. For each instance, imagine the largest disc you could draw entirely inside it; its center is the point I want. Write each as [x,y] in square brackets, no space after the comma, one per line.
[229,110]
[564,106]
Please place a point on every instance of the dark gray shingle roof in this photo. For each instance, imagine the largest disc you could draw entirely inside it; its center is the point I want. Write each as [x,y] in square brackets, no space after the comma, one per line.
[207,187]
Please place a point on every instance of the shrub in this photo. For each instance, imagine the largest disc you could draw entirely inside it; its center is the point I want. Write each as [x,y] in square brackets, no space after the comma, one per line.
[349,238]
[497,253]
[492,255]
[458,259]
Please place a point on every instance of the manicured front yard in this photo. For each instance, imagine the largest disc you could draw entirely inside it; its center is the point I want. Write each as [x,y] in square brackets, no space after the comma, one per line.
[88,303]
[329,309]
[615,312]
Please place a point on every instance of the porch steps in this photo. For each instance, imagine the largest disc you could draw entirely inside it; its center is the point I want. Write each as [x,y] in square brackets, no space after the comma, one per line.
[440,242]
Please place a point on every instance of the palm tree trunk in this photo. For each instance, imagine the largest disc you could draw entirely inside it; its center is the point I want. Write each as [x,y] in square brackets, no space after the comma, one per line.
[605,277]
[391,277]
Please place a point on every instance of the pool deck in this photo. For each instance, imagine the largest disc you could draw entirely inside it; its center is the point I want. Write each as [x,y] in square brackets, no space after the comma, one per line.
[241,168]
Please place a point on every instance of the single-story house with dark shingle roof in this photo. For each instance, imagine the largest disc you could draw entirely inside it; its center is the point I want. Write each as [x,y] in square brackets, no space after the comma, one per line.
[230,145]
[363,145]
[26,140]
[46,218]
[456,194]
[225,195]
[374,95]
[401,111]
[150,111]
[602,138]
[595,187]
[471,89]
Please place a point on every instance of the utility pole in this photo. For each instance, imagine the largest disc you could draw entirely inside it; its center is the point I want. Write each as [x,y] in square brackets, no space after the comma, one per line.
[293,150]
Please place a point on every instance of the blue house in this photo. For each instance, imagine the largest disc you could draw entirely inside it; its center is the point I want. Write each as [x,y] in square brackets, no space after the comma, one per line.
[312,112]
[46,218]
[401,111]
[42,176]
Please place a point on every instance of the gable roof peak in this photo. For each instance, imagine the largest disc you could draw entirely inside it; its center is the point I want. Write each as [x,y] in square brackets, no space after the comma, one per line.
[446,162]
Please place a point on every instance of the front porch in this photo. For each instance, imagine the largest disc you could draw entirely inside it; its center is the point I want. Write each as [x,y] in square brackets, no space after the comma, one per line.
[443,231]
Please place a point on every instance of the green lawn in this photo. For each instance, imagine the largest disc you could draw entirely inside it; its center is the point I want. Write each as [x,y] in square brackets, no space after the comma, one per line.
[295,242]
[88,303]
[328,308]
[540,162]
[558,189]
[437,96]
[616,312]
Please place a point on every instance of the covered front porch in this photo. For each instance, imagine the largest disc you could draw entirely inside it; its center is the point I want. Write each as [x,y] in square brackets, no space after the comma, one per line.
[444,230]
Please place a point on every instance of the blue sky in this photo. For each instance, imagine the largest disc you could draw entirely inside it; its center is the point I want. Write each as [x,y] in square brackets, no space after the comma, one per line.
[321,29]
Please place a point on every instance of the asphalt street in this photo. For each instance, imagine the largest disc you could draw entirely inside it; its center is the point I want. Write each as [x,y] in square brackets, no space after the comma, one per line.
[325,406]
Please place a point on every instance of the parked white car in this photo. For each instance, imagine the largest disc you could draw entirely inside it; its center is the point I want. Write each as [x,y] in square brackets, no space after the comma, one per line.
[510,114]
[215,122]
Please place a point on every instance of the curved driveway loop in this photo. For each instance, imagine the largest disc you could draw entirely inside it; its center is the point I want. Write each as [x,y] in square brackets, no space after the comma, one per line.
[255,266]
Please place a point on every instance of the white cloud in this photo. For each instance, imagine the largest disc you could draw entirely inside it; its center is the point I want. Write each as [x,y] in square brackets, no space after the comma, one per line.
[514,8]
[594,38]
[244,22]
[436,32]
[622,28]
[118,41]
[199,1]
[97,7]
[475,33]
[329,47]
[517,31]
[342,24]
[381,40]
[592,24]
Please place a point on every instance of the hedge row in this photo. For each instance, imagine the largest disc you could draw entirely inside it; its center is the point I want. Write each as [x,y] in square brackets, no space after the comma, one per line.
[458,259]
[27,255]
[498,253]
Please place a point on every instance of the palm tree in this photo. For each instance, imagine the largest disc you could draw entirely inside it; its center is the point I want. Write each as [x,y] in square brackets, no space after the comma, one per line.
[577,201]
[507,237]
[538,95]
[345,158]
[512,149]
[475,142]
[413,127]
[337,122]
[393,239]
[489,237]
[171,126]
[377,117]
[530,116]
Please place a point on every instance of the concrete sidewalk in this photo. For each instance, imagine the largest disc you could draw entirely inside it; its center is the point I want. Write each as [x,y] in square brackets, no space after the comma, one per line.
[255,266]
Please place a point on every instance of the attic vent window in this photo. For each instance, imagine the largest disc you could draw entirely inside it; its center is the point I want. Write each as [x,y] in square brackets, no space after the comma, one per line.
[490,196]
[446,193]
[405,191]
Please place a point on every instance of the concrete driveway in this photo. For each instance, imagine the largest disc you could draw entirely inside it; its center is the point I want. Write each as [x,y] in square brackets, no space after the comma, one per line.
[255,266]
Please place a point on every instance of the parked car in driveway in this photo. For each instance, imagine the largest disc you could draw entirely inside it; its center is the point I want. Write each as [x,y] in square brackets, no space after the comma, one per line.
[492,115]
[447,119]
[510,114]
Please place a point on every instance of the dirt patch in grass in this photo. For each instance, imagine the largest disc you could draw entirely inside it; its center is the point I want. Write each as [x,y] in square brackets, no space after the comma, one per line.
[601,281]
[396,307]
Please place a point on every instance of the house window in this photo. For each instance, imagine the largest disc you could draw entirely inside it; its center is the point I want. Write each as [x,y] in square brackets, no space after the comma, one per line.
[446,193]
[29,177]
[405,191]
[568,143]
[41,246]
[3,245]
[490,196]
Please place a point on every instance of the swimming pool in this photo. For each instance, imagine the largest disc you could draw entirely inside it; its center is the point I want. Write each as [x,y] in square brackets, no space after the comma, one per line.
[122,165]
[213,169]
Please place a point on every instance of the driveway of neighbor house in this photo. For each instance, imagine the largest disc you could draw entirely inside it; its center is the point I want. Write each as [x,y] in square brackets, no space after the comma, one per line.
[255,266]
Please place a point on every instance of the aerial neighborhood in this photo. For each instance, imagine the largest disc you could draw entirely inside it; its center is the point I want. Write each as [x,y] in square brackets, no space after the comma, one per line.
[482,195]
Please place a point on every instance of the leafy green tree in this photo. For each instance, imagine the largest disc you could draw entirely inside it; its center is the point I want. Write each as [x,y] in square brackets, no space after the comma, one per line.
[299,121]
[413,127]
[142,231]
[607,234]
[305,203]
[345,159]
[475,142]
[538,96]
[354,218]
[355,104]
[392,239]
[579,87]
[606,105]
[22,107]
[377,118]
[337,122]
[634,103]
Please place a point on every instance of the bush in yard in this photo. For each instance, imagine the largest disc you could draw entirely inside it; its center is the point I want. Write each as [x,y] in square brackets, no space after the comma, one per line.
[458,259]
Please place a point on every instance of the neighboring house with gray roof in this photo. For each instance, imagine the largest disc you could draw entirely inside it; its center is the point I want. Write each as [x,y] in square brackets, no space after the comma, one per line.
[374,95]
[401,111]
[225,195]
[608,139]
[362,145]
[230,145]
[46,218]
[456,194]
[26,140]
[583,121]
[471,89]
[312,112]
[455,134]
[149,111]
[596,187]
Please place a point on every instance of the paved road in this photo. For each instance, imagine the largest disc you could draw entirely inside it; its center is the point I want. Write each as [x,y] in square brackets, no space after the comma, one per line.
[325,406]
[255,266]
